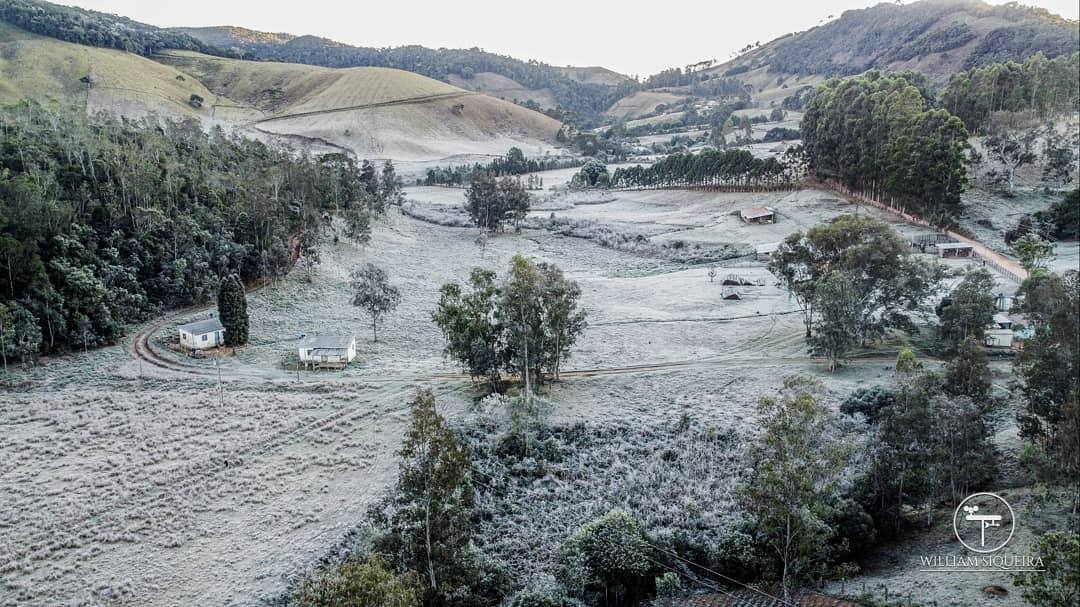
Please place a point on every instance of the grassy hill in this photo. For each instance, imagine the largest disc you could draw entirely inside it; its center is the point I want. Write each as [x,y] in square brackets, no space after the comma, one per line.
[376,112]
[49,70]
[586,92]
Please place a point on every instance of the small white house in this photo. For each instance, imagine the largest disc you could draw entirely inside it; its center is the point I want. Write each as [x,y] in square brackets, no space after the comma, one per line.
[202,334]
[999,338]
[327,351]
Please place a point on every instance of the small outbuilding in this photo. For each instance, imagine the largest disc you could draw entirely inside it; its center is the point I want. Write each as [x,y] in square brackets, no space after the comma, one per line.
[202,334]
[999,338]
[758,215]
[955,249]
[766,251]
[327,351]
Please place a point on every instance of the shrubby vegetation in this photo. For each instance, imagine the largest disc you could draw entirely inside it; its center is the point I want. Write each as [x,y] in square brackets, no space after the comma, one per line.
[103,222]
[711,168]
[878,133]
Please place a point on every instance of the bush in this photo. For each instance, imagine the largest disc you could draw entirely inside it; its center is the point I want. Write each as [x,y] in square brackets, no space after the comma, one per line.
[547,593]
[1058,585]
[609,556]
[356,583]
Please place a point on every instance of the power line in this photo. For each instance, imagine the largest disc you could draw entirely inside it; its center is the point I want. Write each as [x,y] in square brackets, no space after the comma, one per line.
[673,555]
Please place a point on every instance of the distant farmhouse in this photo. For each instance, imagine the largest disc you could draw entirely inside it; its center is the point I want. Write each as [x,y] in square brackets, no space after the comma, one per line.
[758,215]
[955,249]
[202,334]
[327,351]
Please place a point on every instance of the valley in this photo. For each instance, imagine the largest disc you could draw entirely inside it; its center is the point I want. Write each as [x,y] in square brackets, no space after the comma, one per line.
[287,321]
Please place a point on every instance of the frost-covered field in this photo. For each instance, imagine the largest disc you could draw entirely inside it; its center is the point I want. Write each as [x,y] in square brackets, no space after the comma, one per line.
[140,480]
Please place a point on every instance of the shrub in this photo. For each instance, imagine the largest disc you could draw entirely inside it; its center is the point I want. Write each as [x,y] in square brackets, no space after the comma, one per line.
[610,555]
[356,583]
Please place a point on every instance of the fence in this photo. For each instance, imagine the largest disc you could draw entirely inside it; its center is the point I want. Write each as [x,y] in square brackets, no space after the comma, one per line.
[990,257]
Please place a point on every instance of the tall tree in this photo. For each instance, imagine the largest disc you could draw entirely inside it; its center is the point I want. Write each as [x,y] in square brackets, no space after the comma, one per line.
[468,322]
[232,310]
[434,498]
[794,480]
[1049,365]
[838,326]
[373,293]
[968,310]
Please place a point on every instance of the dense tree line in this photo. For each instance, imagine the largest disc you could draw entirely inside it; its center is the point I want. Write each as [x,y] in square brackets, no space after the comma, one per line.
[95,29]
[878,133]
[103,222]
[514,163]
[710,168]
[1038,85]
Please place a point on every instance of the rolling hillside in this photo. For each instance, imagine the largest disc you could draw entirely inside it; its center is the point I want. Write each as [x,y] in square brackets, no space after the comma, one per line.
[584,91]
[935,37]
[375,112]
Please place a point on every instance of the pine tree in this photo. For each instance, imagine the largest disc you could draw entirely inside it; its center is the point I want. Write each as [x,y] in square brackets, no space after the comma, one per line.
[232,310]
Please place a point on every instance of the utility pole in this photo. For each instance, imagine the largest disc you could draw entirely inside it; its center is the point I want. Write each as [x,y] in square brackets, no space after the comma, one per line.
[221,388]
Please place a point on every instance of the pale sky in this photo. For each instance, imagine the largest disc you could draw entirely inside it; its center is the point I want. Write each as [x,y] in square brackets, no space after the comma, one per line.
[631,36]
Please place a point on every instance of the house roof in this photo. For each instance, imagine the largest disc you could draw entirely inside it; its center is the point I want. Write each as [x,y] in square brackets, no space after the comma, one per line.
[749,598]
[327,342]
[756,212]
[200,327]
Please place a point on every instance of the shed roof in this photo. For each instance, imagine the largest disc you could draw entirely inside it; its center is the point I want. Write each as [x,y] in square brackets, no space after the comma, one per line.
[327,342]
[201,327]
[756,212]
[953,245]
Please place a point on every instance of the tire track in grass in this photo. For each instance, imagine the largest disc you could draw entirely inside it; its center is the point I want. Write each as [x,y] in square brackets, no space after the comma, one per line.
[92,523]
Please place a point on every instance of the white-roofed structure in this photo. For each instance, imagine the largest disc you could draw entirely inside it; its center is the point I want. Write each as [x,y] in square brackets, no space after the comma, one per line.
[327,351]
[202,334]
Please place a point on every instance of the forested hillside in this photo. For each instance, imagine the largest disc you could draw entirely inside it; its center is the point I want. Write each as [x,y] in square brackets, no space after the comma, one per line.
[92,28]
[1040,85]
[103,221]
[934,36]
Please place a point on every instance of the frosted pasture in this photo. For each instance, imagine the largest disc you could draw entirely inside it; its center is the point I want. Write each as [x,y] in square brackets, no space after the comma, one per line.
[136,479]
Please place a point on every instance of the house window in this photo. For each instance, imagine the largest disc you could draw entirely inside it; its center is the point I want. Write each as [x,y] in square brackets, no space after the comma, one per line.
[204,337]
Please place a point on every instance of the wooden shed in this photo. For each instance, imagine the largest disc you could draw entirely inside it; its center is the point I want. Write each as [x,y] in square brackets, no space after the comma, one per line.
[758,215]
[955,249]
[327,351]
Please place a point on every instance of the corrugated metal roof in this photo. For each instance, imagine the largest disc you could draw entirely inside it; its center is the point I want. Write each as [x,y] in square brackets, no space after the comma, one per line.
[331,342]
[200,327]
[748,598]
[755,212]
